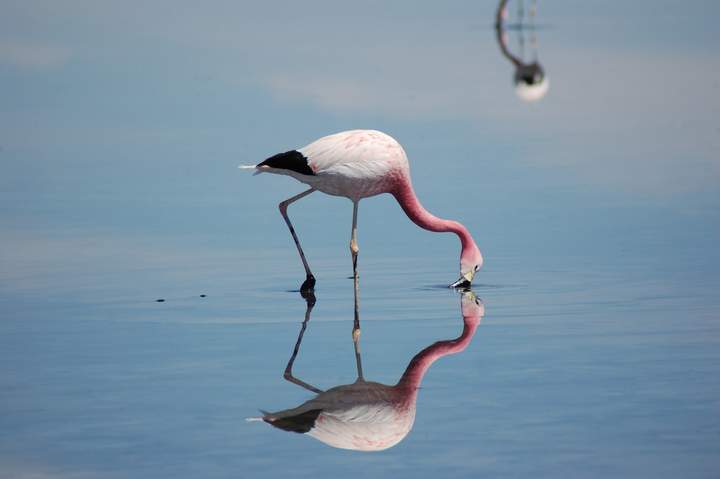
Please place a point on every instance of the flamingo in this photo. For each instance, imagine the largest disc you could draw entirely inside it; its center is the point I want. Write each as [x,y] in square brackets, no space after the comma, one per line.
[367,415]
[359,164]
[531,82]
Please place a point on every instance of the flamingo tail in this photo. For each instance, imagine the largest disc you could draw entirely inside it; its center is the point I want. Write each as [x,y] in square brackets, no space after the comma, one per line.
[258,418]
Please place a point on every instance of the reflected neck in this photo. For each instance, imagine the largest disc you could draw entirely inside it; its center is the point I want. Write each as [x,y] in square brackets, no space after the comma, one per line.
[422,361]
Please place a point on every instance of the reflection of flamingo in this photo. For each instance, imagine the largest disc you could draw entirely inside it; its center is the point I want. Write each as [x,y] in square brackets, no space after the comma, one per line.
[365,415]
[358,164]
[531,83]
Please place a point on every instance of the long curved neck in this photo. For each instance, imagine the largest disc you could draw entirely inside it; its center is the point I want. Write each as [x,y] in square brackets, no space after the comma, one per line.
[405,196]
[413,375]
[499,35]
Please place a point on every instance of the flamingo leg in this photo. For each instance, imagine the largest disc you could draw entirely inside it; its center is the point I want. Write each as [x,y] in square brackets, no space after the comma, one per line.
[310,301]
[309,282]
[353,240]
[356,323]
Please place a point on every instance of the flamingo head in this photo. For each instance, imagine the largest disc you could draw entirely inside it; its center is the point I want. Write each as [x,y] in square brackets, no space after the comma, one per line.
[470,262]
[531,82]
[472,306]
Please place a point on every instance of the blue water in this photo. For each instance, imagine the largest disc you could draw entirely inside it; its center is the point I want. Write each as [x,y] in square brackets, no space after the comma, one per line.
[597,209]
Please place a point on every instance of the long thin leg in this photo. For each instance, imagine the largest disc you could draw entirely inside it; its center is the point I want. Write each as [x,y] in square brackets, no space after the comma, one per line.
[309,282]
[356,286]
[310,301]
[353,240]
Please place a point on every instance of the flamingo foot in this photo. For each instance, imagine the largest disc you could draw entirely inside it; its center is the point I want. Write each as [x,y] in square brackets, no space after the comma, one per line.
[309,297]
[308,285]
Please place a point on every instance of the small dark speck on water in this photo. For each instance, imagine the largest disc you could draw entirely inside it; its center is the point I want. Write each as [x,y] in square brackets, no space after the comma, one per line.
[203,295]
[160,300]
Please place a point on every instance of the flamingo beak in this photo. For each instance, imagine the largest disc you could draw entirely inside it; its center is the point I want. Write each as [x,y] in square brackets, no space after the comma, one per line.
[465,280]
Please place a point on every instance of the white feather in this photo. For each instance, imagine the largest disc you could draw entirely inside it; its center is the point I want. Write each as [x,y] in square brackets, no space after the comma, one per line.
[355,164]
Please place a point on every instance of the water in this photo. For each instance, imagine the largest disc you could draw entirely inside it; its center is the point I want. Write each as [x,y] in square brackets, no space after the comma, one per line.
[596,209]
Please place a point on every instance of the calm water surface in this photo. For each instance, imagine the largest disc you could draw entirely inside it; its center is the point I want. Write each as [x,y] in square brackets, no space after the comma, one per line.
[596,207]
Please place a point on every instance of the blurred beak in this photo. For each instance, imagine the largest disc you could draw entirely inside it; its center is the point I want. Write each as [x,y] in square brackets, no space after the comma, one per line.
[465,280]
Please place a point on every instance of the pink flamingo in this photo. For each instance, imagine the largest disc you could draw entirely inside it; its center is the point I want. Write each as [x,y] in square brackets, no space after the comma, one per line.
[366,415]
[358,164]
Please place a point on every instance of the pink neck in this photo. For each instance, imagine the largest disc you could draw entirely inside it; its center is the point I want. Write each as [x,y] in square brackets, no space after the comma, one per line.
[422,361]
[405,195]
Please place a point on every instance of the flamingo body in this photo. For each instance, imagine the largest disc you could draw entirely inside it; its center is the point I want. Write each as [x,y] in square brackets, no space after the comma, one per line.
[355,164]
[358,164]
[363,416]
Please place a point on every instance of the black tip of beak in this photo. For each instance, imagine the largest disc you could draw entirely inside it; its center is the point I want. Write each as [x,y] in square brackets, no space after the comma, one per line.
[462,283]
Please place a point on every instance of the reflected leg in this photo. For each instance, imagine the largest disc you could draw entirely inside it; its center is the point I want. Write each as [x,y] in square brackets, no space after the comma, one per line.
[356,329]
[310,301]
